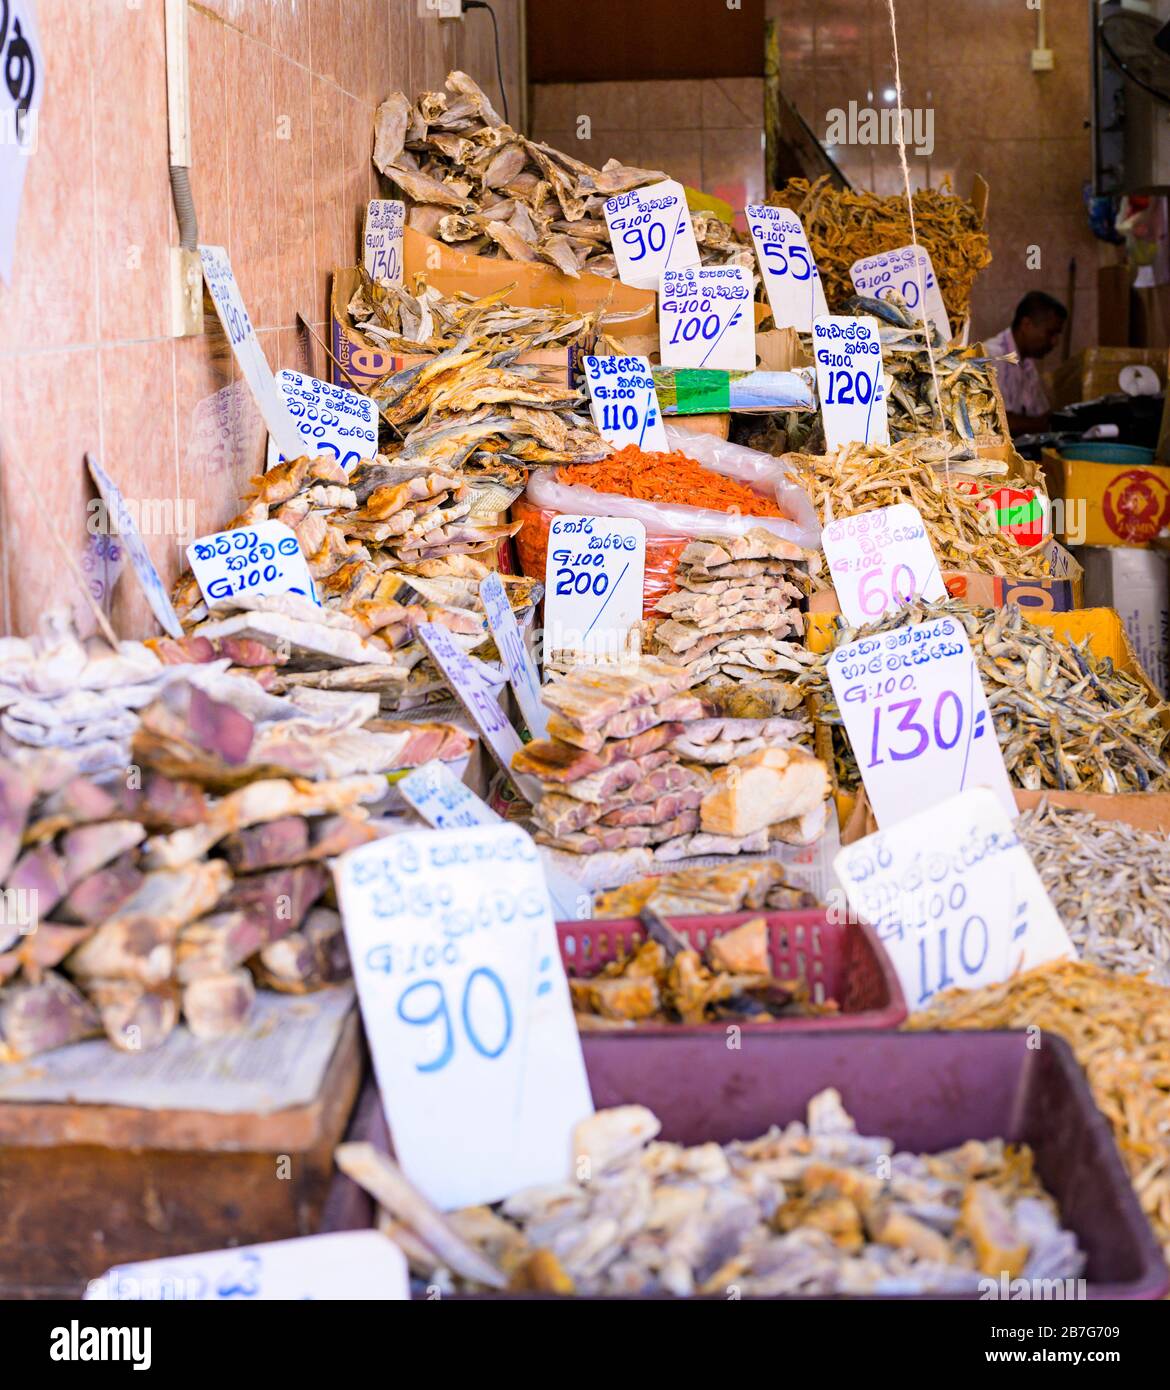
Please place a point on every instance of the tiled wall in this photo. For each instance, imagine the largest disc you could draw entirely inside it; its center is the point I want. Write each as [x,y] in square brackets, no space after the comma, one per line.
[1024,132]
[708,134]
[283,94]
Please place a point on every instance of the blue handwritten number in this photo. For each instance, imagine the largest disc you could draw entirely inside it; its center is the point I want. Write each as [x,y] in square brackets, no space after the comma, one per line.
[905,725]
[440,1011]
[503,993]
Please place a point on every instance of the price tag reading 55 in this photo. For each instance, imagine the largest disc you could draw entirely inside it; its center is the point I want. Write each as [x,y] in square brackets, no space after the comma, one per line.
[917,718]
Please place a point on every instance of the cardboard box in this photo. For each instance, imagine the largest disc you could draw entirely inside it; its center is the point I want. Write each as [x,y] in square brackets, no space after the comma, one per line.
[1061,592]
[1134,581]
[452,272]
[1107,503]
[1094,372]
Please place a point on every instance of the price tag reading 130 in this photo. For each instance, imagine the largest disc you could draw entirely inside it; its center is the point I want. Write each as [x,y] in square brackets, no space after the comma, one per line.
[624,403]
[706,318]
[850,384]
[881,560]
[382,252]
[593,587]
[795,291]
[650,230]
[953,897]
[917,718]
[466,1009]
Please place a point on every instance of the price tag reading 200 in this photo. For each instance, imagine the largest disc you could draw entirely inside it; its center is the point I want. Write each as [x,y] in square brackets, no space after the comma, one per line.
[917,718]
[593,587]
[466,1009]
[848,354]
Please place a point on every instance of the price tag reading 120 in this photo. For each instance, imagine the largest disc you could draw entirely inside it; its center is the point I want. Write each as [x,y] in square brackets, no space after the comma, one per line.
[848,355]
[624,403]
[650,230]
[795,291]
[895,272]
[466,1009]
[953,897]
[881,560]
[917,718]
[706,318]
[593,587]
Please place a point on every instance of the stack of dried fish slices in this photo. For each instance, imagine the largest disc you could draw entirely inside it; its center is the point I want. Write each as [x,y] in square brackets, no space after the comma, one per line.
[845,225]
[481,186]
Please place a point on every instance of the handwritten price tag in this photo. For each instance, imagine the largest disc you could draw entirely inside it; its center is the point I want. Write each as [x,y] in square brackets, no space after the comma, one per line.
[229,305]
[593,579]
[382,250]
[261,559]
[342,1265]
[791,278]
[848,355]
[466,1009]
[954,897]
[895,272]
[706,318]
[881,560]
[518,664]
[331,420]
[624,403]
[650,229]
[917,717]
[148,576]
[442,800]
[23,65]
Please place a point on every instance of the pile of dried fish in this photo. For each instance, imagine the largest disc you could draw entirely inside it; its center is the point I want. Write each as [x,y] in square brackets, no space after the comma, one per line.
[736,604]
[667,981]
[1064,720]
[429,322]
[961,524]
[700,892]
[1110,885]
[1119,1029]
[845,225]
[477,184]
[797,1211]
[966,381]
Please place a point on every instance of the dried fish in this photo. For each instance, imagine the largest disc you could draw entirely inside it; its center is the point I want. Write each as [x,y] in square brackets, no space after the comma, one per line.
[846,225]
[1119,1028]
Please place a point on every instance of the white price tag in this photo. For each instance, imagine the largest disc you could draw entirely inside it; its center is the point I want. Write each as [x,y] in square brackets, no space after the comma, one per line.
[442,799]
[382,251]
[650,230]
[624,403]
[23,65]
[895,272]
[123,522]
[850,381]
[332,420]
[229,305]
[881,560]
[466,1008]
[790,274]
[342,1265]
[593,581]
[954,897]
[917,718]
[705,318]
[517,662]
[261,559]
[465,675]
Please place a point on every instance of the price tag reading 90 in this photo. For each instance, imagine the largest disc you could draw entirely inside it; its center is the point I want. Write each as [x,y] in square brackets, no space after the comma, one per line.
[650,230]
[917,718]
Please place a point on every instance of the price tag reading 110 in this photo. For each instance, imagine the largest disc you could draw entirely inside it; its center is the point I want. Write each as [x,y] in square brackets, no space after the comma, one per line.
[917,718]
[624,403]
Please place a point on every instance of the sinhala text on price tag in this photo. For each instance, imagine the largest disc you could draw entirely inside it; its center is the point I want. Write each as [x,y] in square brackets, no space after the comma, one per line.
[895,272]
[881,560]
[593,581]
[953,897]
[624,403]
[261,559]
[791,279]
[332,420]
[382,248]
[916,715]
[521,669]
[706,318]
[850,383]
[466,1008]
[650,231]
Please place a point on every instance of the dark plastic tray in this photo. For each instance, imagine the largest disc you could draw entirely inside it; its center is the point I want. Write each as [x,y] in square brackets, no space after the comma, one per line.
[926,1091]
[836,961]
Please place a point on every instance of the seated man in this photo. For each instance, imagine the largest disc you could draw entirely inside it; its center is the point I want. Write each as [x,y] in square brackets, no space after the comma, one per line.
[1036,327]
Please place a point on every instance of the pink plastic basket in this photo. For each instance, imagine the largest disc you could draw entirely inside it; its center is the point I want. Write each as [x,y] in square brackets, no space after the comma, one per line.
[835,961]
